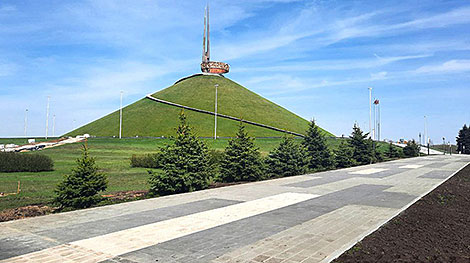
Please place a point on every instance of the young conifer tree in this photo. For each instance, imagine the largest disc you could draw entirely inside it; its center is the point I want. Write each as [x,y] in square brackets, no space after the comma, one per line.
[411,149]
[287,159]
[343,156]
[318,154]
[363,151]
[185,166]
[242,159]
[80,189]
[392,151]
[463,140]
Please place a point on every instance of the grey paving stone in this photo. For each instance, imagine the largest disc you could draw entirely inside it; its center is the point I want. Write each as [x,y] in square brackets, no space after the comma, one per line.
[437,164]
[109,225]
[437,174]
[22,243]
[207,245]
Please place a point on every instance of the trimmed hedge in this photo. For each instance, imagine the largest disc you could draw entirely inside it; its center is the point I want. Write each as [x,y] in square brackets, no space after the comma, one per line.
[20,162]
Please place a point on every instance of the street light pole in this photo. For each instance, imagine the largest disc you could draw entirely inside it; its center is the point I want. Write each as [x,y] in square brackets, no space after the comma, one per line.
[47,115]
[53,125]
[215,116]
[378,123]
[120,118]
[370,111]
[444,144]
[425,132]
[25,122]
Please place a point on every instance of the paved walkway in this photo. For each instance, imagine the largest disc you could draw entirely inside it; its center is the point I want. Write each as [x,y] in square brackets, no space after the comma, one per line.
[308,218]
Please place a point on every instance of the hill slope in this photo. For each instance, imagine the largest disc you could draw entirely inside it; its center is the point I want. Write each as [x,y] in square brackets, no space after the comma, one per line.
[149,118]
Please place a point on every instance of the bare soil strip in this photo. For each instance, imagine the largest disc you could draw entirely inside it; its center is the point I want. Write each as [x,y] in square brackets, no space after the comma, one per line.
[434,229]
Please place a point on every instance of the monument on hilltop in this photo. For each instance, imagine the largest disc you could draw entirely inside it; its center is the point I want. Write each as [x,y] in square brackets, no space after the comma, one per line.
[208,66]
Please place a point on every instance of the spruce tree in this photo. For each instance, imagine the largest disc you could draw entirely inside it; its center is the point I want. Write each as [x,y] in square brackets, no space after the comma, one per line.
[411,149]
[318,154]
[363,149]
[343,156]
[242,159]
[461,138]
[185,167]
[287,159]
[80,189]
[392,151]
[466,142]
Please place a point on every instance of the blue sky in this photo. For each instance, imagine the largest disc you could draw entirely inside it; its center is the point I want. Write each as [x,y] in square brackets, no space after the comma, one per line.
[316,58]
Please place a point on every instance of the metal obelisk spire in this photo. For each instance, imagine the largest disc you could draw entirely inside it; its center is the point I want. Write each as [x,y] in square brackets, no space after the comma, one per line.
[205,39]
[208,38]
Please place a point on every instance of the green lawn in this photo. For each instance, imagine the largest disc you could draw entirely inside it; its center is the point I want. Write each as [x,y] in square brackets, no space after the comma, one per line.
[149,118]
[112,156]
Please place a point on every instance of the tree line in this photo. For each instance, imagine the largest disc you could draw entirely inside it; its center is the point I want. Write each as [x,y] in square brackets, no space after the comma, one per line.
[187,164]
[463,140]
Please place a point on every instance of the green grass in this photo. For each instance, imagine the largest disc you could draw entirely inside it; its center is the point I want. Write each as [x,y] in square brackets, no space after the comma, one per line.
[149,118]
[112,156]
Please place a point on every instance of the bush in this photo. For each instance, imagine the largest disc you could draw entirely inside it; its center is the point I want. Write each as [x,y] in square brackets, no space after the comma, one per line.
[287,159]
[22,162]
[364,150]
[318,154]
[393,151]
[152,160]
[185,167]
[343,156]
[80,189]
[242,160]
[411,149]
[215,158]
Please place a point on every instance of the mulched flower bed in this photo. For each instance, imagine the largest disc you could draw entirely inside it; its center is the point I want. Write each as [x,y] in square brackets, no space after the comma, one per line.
[434,229]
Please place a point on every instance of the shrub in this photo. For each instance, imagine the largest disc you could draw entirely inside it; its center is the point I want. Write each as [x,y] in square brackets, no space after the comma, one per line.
[318,154]
[393,151]
[411,149]
[80,189]
[242,160]
[287,159]
[152,160]
[364,151]
[185,167]
[22,162]
[343,156]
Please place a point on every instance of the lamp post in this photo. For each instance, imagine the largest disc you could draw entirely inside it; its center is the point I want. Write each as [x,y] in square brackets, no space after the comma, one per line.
[215,116]
[25,122]
[370,112]
[444,144]
[426,139]
[53,125]
[47,115]
[120,117]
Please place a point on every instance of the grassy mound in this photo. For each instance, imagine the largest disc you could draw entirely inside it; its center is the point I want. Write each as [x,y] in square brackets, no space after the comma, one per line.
[149,118]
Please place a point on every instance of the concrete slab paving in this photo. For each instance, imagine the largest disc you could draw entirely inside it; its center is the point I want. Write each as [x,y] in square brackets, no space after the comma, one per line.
[307,218]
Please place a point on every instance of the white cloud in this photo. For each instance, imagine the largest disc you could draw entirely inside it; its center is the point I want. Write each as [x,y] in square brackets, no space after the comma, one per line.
[379,75]
[451,66]
[333,64]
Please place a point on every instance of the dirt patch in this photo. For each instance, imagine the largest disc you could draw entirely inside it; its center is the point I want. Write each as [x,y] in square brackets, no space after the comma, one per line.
[23,212]
[434,229]
[125,195]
